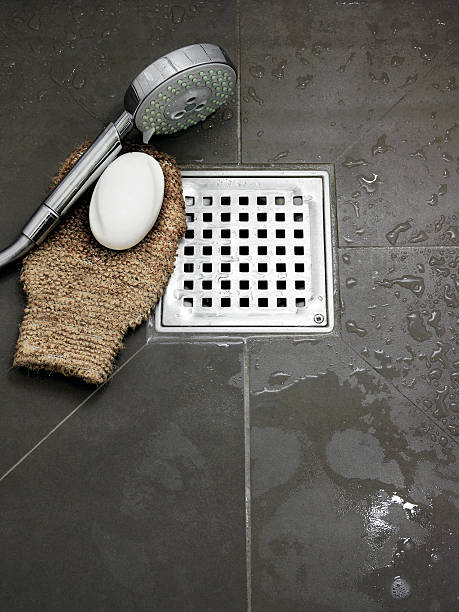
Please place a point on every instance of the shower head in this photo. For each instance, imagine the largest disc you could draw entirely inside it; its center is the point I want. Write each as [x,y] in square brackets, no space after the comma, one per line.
[180,89]
[176,91]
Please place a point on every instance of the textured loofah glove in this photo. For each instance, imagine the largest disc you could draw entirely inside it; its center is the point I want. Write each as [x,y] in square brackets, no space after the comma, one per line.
[83,297]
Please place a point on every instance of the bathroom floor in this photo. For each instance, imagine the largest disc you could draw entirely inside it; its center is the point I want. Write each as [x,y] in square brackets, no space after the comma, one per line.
[262,473]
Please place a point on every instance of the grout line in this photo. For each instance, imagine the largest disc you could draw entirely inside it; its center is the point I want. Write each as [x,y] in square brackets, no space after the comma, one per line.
[248,500]
[391,384]
[238,61]
[66,418]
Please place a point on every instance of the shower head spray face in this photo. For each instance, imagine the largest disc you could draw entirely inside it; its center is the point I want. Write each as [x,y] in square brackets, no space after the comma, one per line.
[180,89]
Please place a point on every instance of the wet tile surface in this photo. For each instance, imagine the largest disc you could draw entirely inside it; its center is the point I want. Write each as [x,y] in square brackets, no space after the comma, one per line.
[354,493]
[137,503]
[400,312]
[316,76]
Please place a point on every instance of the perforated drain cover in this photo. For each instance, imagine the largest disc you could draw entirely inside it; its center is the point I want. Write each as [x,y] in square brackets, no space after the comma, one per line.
[256,256]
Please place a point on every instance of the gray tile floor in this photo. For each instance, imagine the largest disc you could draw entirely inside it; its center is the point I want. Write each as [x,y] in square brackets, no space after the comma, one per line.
[268,473]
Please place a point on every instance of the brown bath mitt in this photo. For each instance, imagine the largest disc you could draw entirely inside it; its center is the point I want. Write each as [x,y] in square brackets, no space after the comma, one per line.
[83,297]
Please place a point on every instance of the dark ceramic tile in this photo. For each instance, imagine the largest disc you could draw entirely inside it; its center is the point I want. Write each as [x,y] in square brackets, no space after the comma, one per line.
[405,172]
[352,487]
[63,74]
[400,309]
[137,502]
[316,75]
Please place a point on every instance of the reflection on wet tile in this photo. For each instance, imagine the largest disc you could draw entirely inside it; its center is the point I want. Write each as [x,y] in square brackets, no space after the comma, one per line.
[138,500]
[400,315]
[325,71]
[353,502]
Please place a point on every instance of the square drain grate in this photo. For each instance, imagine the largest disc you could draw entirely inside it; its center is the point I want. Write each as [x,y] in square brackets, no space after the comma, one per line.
[257,254]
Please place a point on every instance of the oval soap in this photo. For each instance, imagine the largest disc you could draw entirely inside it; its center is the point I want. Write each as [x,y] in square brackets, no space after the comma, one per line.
[126,200]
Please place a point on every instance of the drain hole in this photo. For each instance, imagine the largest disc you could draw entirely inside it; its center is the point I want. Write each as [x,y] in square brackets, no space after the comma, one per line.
[225,250]
[207,201]
[263,302]
[188,267]
[189,200]
[243,267]
[244,284]
[262,233]
[189,234]
[200,107]
[188,250]
[207,233]
[297,200]
[300,302]
[225,284]
[190,218]
[281,267]
[299,267]
[261,201]
[207,250]
[225,217]
[225,267]
[280,216]
[225,302]
[225,233]
[188,302]
[298,233]
[207,217]
[299,250]
[207,285]
[243,233]
[206,302]
[177,115]
[281,302]
[243,217]
[280,233]
[280,200]
[243,250]
[262,267]
[280,250]
[281,285]
[244,302]
[207,267]
[191,100]
[298,217]
[262,250]
[262,284]
[225,200]
[299,284]
[262,216]
[188,285]
[243,201]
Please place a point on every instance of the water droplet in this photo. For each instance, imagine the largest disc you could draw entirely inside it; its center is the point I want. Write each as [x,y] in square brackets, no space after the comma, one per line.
[381,146]
[393,234]
[260,133]
[278,71]
[396,61]
[442,190]
[279,156]
[447,157]
[419,237]
[177,13]
[351,282]
[343,67]
[433,200]
[416,327]
[384,78]
[353,328]
[370,184]
[400,588]
[452,234]
[303,81]
[257,71]
[415,284]
[353,163]
[426,51]
[346,258]
[253,94]
[434,321]
[410,79]
[34,22]
[227,114]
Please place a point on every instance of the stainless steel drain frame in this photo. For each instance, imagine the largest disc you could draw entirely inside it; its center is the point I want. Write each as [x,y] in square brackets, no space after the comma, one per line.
[258,254]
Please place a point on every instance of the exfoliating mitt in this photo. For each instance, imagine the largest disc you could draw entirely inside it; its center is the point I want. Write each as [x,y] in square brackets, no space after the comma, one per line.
[83,297]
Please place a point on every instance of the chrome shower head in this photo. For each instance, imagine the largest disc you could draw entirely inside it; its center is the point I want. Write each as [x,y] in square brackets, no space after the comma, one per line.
[176,91]
[180,89]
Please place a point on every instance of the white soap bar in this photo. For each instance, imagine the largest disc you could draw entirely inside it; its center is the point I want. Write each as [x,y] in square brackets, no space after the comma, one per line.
[126,200]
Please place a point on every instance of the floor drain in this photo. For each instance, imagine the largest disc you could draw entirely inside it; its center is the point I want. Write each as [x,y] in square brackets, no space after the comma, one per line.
[256,256]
